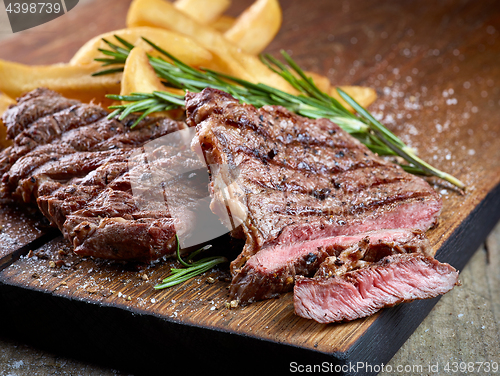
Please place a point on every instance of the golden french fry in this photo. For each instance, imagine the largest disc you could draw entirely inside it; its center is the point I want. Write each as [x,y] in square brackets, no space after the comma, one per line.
[177,44]
[223,23]
[361,94]
[203,11]
[69,80]
[256,27]
[228,58]
[5,102]
[138,75]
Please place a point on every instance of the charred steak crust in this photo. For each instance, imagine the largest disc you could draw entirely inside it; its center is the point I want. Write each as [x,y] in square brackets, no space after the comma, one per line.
[299,180]
[75,164]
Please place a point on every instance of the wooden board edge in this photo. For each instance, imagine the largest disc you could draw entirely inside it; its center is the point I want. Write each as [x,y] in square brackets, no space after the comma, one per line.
[140,343]
[400,322]
[36,243]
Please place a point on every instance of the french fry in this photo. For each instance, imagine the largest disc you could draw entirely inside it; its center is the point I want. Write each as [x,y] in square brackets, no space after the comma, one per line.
[256,27]
[223,23]
[203,11]
[138,75]
[228,58]
[321,82]
[361,94]
[177,44]
[69,80]
[5,102]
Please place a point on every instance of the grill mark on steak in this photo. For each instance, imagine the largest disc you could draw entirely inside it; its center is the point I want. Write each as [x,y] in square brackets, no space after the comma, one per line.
[33,106]
[299,152]
[77,165]
[300,179]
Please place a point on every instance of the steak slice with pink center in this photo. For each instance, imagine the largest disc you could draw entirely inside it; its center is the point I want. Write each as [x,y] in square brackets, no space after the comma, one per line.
[273,270]
[362,292]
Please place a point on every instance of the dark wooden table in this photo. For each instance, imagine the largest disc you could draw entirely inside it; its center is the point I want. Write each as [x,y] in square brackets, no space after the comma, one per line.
[435,68]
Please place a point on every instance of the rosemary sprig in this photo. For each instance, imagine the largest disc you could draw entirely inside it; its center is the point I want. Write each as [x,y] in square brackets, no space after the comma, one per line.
[191,268]
[311,102]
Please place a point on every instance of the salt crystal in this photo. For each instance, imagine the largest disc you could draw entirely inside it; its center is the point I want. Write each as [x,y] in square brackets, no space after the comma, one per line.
[17,364]
[460,315]
[471,152]
[153,300]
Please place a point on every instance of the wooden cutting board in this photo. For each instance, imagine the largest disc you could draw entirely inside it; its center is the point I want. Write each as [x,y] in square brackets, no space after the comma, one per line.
[435,68]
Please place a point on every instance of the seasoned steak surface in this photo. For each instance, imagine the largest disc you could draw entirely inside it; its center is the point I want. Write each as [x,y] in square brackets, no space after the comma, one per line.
[78,167]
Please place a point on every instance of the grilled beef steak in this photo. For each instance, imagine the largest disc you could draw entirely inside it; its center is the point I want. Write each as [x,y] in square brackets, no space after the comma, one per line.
[78,166]
[301,184]
[362,292]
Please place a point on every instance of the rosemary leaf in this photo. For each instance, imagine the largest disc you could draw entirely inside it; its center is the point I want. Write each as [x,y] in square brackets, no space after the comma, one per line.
[191,268]
[311,102]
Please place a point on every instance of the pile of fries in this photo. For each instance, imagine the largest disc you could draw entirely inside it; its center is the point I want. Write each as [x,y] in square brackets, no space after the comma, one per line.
[195,31]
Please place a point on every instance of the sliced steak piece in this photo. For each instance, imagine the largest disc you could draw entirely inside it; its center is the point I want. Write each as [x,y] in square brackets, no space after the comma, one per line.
[362,292]
[273,270]
[298,180]
[33,106]
[78,166]
[114,238]
[48,128]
